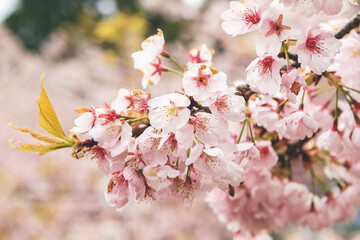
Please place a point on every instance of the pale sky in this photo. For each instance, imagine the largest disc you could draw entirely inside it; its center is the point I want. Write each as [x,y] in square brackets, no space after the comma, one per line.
[7,7]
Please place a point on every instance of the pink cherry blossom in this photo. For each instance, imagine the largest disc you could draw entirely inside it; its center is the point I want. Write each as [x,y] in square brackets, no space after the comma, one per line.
[332,7]
[330,140]
[305,7]
[209,129]
[347,59]
[201,54]
[118,193]
[268,156]
[356,137]
[161,180]
[148,61]
[84,122]
[150,71]
[297,125]
[158,148]
[229,106]
[291,83]
[244,16]
[214,165]
[102,158]
[114,137]
[265,115]
[122,101]
[202,82]
[273,33]
[169,112]
[316,49]
[263,74]
[152,48]
[248,155]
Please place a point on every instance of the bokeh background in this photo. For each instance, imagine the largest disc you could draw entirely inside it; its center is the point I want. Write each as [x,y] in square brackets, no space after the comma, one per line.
[84,48]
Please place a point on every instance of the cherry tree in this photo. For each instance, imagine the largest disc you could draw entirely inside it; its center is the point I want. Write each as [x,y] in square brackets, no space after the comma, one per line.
[240,142]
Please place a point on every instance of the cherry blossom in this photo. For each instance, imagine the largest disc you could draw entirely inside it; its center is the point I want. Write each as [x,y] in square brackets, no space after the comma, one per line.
[330,141]
[170,112]
[209,129]
[291,84]
[273,33]
[297,125]
[201,54]
[202,82]
[117,194]
[244,16]
[263,74]
[279,149]
[316,49]
[229,106]
[148,61]
[305,7]
[328,7]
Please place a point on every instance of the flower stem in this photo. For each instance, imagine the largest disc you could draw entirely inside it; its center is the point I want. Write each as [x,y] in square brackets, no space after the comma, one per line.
[352,89]
[137,119]
[287,58]
[173,71]
[251,133]
[356,117]
[282,105]
[176,63]
[242,131]
[126,117]
[336,107]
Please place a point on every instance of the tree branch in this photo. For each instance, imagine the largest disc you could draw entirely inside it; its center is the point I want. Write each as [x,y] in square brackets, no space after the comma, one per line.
[293,57]
[353,23]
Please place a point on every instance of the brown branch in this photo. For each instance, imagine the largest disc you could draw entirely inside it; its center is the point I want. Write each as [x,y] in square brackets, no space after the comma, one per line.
[293,57]
[196,107]
[353,23]
[245,91]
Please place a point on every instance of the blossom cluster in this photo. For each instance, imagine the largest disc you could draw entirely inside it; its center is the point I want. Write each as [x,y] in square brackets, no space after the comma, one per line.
[276,149]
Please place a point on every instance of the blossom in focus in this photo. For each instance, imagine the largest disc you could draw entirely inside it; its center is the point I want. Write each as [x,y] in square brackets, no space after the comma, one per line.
[244,16]
[273,33]
[229,106]
[291,84]
[169,112]
[202,82]
[209,129]
[316,48]
[263,74]
[215,166]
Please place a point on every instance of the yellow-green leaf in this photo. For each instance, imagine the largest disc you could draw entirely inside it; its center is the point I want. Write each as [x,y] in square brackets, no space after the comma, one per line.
[39,136]
[40,147]
[47,116]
